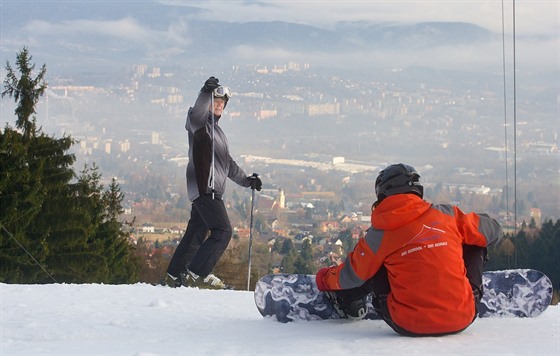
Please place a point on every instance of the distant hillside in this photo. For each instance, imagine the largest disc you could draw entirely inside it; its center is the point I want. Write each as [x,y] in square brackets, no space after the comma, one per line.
[112,34]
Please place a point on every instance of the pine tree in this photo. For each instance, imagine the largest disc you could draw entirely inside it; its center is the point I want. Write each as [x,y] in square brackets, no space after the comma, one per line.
[119,253]
[21,196]
[545,252]
[22,187]
[289,256]
[347,242]
[287,247]
[109,255]
[76,256]
[59,222]
[25,90]
[49,222]
[304,261]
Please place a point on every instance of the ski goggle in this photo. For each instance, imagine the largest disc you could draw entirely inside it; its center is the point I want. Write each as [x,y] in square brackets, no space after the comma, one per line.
[221,92]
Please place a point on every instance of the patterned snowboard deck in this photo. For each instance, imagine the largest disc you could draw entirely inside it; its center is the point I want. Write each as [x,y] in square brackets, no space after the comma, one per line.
[292,297]
[516,293]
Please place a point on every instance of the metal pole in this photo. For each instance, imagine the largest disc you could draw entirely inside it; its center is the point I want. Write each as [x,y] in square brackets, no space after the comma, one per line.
[250,237]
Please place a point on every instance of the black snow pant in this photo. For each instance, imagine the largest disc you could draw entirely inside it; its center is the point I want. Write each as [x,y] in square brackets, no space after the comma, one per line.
[196,251]
[475,257]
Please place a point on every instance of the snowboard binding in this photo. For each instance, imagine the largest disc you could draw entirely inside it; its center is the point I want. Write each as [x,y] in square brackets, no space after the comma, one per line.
[348,308]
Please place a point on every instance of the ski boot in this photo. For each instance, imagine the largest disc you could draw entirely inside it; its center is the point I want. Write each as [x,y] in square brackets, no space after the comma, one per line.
[191,279]
[171,281]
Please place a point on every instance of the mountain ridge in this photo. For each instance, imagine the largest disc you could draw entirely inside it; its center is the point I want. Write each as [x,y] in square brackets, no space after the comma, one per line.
[154,33]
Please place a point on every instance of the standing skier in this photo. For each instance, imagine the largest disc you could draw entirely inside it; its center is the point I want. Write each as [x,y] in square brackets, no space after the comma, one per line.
[422,262]
[210,164]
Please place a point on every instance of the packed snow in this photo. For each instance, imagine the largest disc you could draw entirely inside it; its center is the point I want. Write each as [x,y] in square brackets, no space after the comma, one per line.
[141,319]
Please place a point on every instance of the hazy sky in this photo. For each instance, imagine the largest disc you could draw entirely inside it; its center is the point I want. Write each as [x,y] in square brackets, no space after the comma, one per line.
[537,24]
[534,17]
[537,28]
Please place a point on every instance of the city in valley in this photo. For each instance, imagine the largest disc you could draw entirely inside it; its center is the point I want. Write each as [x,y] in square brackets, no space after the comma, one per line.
[319,107]
[317,139]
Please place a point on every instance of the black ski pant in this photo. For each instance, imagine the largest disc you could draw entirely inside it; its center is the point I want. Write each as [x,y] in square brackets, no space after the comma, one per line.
[474,257]
[198,251]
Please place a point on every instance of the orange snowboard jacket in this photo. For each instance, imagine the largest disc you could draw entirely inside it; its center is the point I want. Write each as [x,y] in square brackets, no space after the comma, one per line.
[420,244]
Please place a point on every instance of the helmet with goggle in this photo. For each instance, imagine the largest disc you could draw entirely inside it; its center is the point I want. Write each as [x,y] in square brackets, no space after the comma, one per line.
[222,92]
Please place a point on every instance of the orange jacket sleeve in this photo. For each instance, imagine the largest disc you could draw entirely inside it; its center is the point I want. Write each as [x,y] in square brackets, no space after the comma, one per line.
[478,229]
[360,265]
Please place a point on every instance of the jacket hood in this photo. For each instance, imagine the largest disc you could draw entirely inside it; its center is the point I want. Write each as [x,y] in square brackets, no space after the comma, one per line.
[398,210]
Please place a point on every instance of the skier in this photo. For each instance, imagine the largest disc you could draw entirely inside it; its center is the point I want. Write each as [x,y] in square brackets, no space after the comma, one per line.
[421,262]
[209,165]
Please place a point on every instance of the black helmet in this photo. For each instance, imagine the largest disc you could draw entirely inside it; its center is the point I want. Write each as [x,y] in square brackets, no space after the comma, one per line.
[398,179]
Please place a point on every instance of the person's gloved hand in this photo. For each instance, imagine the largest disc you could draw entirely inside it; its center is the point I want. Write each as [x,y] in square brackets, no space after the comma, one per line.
[255,182]
[210,84]
[319,279]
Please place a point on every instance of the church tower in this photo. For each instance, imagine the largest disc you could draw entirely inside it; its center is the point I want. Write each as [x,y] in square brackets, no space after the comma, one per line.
[281,198]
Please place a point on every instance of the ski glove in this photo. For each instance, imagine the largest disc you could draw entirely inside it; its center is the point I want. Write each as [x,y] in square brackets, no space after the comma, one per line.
[255,182]
[210,84]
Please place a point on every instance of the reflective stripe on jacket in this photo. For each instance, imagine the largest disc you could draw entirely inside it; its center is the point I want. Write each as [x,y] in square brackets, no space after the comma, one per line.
[420,244]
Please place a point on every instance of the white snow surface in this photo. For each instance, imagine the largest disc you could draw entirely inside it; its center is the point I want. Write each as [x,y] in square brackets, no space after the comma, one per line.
[141,319]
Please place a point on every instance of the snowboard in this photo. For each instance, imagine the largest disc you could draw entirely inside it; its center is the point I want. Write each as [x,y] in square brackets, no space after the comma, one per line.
[294,297]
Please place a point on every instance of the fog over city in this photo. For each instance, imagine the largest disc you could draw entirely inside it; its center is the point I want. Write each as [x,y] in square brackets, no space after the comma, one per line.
[378,82]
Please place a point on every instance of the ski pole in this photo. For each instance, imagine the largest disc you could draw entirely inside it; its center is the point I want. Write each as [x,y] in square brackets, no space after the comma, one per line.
[251,234]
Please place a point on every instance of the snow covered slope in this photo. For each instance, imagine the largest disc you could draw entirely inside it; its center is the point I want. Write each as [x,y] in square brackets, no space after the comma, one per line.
[142,319]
